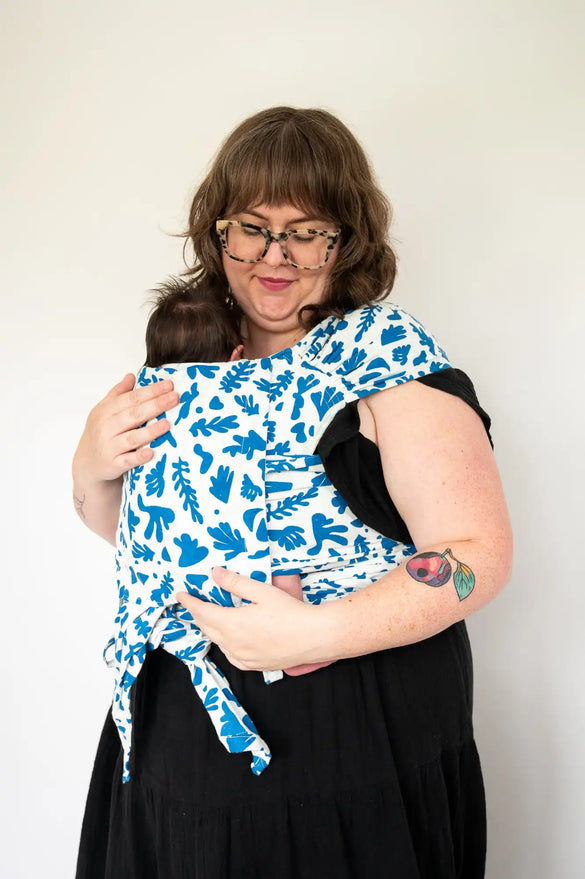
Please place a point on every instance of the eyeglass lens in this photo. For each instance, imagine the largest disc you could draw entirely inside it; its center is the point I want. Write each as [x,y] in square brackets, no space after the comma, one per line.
[303,249]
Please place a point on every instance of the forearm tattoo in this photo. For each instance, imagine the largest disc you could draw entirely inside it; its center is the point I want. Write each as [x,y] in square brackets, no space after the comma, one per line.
[79,502]
[433,569]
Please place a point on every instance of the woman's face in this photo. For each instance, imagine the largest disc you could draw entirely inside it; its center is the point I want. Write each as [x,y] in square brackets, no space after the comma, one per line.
[271,292]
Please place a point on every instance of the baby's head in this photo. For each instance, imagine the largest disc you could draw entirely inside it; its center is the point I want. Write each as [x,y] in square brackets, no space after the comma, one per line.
[189,325]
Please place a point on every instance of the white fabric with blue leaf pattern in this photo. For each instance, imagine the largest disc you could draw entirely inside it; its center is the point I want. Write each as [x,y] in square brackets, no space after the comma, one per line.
[236,482]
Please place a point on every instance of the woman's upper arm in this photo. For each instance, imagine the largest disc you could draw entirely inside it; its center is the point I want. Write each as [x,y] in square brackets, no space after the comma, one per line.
[439,467]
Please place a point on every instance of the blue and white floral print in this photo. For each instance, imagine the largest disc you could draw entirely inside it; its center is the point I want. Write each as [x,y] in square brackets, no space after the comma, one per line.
[236,482]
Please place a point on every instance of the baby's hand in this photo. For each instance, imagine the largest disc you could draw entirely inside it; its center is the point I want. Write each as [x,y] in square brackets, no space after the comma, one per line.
[291,583]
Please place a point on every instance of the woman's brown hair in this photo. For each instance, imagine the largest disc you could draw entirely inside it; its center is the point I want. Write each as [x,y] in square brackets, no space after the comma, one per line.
[306,158]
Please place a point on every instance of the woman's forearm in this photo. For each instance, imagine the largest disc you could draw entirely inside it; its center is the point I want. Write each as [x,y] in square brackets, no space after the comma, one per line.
[400,608]
[98,505]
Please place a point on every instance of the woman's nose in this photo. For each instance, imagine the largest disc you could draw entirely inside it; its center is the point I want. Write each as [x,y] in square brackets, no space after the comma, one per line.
[274,255]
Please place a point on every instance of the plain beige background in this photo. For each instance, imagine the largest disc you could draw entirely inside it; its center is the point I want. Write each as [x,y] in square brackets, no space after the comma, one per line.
[472,114]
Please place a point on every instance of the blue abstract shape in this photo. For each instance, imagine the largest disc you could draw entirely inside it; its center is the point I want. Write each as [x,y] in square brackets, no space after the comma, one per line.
[195,584]
[289,538]
[186,399]
[228,540]
[216,403]
[299,431]
[236,376]
[304,384]
[422,358]
[159,519]
[367,320]
[249,490]
[247,404]
[246,445]
[335,352]
[191,552]
[393,334]
[133,520]
[324,400]
[287,506]
[155,480]
[353,362]
[400,354]
[182,485]
[324,529]
[249,517]
[206,457]
[164,591]
[215,425]
[425,339]
[221,483]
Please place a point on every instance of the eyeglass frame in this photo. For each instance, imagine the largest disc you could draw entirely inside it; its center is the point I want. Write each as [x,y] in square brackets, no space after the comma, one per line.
[221,227]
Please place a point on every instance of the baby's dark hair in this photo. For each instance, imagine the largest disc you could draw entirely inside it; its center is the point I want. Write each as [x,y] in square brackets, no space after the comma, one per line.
[188,324]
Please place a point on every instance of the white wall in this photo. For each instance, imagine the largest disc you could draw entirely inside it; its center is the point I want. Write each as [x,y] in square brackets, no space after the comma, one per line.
[473,117]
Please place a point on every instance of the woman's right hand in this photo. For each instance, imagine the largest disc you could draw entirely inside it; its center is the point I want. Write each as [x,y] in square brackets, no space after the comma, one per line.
[115,439]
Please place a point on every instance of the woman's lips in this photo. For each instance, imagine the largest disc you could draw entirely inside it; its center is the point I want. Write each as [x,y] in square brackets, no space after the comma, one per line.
[275,283]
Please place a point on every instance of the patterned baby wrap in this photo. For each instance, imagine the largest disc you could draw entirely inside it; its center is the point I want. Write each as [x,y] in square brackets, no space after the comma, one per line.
[236,482]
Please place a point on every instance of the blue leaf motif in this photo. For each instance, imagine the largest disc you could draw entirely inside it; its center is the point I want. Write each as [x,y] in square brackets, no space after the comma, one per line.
[133,520]
[210,701]
[190,654]
[221,483]
[237,375]
[275,388]
[142,552]
[425,339]
[366,321]
[400,354]
[217,425]
[335,352]
[326,399]
[246,445]
[289,538]
[186,398]
[234,732]
[229,541]
[182,485]
[289,505]
[249,490]
[247,404]
[134,477]
[155,480]
[353,362]
[164,591]
[393,334]
[304,384]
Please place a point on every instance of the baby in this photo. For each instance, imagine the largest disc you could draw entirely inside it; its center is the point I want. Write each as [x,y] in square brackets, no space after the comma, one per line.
[188,325]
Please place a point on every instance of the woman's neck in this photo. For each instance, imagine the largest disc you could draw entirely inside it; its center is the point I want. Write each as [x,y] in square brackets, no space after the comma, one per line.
[263,343]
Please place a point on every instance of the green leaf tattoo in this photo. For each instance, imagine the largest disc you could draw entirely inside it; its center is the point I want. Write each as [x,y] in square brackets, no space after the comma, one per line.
[433,569]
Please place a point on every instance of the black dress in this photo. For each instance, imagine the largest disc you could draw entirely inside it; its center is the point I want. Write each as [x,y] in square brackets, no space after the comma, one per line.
[374,769]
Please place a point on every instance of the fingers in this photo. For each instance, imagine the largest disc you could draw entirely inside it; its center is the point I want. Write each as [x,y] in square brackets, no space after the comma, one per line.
[122,387]
[244,587]
[135,414]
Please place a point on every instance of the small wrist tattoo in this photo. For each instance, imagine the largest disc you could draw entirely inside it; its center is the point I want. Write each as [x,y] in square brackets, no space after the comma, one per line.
[433,569]
[79,502]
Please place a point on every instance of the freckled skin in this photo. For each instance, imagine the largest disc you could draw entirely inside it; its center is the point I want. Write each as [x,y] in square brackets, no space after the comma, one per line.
[430,568]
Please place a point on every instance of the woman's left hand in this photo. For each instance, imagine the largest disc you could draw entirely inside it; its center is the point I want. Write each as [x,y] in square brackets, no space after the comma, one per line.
[274,631]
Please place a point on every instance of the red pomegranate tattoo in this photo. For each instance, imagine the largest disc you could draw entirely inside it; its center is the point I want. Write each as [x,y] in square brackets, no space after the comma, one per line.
[433,569]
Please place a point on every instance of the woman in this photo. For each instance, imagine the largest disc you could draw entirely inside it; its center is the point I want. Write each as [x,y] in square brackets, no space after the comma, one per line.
[374,770]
